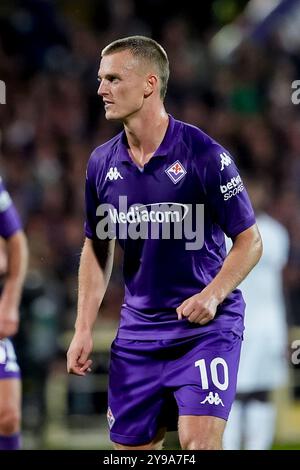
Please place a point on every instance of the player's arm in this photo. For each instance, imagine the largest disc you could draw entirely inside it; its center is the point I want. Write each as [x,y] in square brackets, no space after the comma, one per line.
[94,273]
[243,256]
[17,260]
[233,212]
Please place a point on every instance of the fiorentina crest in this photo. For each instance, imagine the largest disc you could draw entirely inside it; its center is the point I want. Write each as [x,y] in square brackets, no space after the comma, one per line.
[110,418]
[176,171]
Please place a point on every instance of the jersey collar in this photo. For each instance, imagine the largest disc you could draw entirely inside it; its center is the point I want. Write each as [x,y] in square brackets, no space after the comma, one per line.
[164,148]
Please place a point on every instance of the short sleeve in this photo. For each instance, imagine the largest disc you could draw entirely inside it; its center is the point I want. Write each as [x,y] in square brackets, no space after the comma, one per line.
[10,222]
[226,195]
[91,200]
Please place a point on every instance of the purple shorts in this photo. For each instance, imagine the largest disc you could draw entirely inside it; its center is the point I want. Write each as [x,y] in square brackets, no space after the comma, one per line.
[9,368]
[152,382]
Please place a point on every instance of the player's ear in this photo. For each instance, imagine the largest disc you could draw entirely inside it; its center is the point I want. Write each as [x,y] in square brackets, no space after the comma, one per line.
[150,85]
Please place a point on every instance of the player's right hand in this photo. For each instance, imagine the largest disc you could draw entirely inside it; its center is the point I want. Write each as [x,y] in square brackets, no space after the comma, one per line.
[81,346]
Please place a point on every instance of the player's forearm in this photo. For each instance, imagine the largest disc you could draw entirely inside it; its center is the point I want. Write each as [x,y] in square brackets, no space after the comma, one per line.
[244,255]
[17,262]
[94,274]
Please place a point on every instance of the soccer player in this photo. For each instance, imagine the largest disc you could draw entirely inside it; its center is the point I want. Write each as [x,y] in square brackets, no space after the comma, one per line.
[13,266]
[178,343]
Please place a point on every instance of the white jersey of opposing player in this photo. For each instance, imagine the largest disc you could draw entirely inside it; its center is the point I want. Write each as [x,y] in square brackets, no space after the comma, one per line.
[263,364]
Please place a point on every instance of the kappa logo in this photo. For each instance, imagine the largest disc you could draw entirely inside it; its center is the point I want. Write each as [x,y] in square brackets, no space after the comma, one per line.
[113,174]
[110,418]
[212,399]
[225,160]
[176,171]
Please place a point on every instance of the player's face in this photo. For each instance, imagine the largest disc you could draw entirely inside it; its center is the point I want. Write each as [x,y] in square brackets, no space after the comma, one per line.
[122,85]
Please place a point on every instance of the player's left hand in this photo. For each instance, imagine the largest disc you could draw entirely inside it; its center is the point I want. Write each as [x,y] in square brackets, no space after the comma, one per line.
[9,321]
[200,308]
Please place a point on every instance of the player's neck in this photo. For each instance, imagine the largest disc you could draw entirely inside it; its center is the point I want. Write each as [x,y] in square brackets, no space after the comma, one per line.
[145,134]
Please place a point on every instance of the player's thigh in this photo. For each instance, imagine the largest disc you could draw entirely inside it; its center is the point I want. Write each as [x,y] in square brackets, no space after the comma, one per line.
[155,444]
[201,432]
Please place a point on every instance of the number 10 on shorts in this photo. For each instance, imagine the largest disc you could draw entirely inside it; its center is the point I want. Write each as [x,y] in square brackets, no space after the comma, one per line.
[213,369]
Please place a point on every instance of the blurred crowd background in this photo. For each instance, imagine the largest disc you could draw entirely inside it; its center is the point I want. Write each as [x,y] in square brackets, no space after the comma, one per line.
[232,67]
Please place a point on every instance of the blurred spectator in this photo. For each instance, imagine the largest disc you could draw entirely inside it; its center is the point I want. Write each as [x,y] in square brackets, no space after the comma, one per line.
[263,364]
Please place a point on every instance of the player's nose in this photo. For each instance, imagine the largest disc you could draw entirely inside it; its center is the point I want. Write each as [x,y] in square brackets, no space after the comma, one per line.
[102,89]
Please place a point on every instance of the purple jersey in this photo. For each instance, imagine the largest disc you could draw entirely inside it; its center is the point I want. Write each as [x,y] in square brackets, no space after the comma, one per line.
[9,219]
[188,170]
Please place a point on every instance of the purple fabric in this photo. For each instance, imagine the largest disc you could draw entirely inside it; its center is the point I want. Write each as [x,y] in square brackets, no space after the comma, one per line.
[188,168]
[151,382]
[9,218]
[10,442]
[9,368]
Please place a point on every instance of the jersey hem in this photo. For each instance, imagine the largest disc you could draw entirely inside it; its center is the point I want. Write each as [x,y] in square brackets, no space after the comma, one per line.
[130,440]
[204,411]
[153,335]
[241,227]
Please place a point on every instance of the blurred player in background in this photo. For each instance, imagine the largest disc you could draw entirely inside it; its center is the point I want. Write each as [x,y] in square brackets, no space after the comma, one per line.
[263,367]
[179,338]
[13,265]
